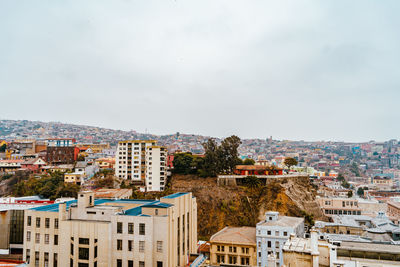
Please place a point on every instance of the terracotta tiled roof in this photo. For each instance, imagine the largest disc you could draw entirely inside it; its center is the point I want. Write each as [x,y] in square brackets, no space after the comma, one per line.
[237,235]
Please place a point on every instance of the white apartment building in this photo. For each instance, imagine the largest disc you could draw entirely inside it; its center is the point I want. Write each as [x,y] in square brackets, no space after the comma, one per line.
[271,235]
[142,161]
[92,232]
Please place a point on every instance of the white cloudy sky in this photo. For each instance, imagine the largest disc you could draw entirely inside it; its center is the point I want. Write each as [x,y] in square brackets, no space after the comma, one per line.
[313,70]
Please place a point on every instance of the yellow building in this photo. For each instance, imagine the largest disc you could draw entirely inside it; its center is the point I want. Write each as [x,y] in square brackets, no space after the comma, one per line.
[104,232]
[75,178]
[234,246]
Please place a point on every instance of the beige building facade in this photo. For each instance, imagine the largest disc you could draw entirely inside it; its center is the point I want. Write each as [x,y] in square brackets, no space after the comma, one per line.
[339,206]
[104,232]
[234,246]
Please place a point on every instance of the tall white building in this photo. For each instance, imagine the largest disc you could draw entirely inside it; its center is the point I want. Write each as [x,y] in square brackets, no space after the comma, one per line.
[142,161]
[271,235]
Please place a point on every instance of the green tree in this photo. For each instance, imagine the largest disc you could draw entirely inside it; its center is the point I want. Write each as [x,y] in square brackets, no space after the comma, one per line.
[349,194]
[360,191]
[183,163]
[340,177]
[249,161]
[252,182]
[289,162]
[3,147]
[211,161]
[228,153]
[345,184]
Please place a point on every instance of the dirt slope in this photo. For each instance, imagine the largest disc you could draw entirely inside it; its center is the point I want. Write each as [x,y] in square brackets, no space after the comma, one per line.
[219,206]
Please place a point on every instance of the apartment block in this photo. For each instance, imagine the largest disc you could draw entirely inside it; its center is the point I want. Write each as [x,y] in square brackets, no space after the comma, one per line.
[142,162]
[339,206]
[105,232]
[272,233]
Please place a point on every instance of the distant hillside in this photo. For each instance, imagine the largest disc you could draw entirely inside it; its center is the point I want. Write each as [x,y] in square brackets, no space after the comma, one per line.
[219,206]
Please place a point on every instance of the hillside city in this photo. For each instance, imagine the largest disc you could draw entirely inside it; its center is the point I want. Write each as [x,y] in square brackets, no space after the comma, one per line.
[75,195]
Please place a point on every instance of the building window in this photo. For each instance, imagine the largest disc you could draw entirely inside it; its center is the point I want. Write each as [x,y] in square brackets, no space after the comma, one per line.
[119,227]
[46,238]
[47,223]
[28,255]
[141,263]
[159,246]
[276,233]
[55,260]
[244,261]
[232,260]
[141,246]
[84,241]
[119,244]
[284,233]
[95,252]
[83,253]
[36,258]
[277,244]
[56,223]
[28,236]
[119,263]
[130,247]
[29,221]
[38,222]
[72,249]
[269,244]
[37,238]
[268,232]
[159,264]
[130,263]
[130,228]
[46,259]
[142,229]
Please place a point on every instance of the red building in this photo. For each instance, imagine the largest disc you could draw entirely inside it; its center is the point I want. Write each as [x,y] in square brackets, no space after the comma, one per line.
[170,161]
[62,154]
[250,170]
[34,164]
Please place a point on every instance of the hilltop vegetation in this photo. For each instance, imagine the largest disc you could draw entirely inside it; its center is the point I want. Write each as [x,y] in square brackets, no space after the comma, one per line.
[50,186]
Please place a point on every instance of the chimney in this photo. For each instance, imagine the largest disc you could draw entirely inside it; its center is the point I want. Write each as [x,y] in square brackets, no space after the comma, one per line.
[62,212]
[314,247]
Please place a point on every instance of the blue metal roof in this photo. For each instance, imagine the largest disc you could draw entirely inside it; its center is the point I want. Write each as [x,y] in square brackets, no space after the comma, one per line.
[134,212]
[137,211]
[157,205]
[176,195]
[54,207]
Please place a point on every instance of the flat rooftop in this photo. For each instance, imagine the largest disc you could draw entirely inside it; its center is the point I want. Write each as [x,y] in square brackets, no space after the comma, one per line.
[132,207]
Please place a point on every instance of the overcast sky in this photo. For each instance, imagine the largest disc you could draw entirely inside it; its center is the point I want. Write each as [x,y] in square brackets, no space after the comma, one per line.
[311,70]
